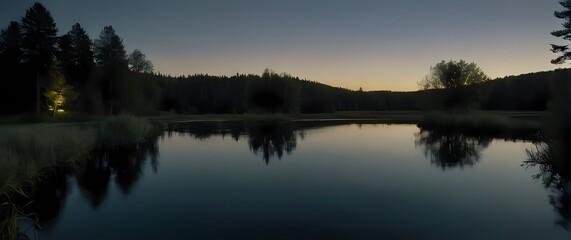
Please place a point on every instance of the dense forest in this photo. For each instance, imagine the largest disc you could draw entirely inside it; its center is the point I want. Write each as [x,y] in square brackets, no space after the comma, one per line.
[44,72]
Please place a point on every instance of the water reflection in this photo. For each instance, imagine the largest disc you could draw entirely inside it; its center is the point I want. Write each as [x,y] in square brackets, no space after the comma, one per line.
[50,195]
[93,179]
[449,149]
[553,159]
[214,190]
[267,139]
[271,140]
[122,164]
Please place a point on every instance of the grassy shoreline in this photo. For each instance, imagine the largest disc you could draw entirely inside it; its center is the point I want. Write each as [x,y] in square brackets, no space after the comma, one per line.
[398,116]
[412,117]
[29,151]
[473,121]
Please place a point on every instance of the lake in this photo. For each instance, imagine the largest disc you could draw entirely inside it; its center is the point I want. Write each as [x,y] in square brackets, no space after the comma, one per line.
[307,180]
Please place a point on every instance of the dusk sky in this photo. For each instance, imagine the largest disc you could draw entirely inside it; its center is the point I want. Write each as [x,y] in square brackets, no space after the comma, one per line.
[373,44]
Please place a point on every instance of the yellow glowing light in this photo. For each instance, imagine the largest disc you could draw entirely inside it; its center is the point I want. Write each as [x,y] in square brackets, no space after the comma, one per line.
[60,110]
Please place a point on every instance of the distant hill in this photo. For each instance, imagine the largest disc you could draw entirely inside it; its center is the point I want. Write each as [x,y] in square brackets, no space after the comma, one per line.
[140,93]
[527,92]
[282,93]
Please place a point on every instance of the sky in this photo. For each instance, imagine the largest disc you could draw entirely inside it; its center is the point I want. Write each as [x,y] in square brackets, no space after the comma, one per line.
[373,44]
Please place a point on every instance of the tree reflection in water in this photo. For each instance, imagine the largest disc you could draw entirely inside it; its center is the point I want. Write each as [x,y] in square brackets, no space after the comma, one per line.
[553,158]
[448,149]
[50,195]
[124,164]
[268,139]
[271,140]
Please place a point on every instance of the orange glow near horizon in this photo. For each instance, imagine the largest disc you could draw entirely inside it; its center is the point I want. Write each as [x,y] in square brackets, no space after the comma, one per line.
[370,74]
[374,45]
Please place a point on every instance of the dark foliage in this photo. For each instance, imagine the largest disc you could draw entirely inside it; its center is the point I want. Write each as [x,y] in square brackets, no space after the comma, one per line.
[100,73]
[39,37]
[109,49]
[20,88]
[138,62]
[11,54]
[565,33]
[554,172]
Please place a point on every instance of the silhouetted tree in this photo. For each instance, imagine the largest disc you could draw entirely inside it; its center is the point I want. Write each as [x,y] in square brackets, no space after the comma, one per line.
[63,52]
[454,77]
[453,74]
[75,55]
[79,65]
[560,106]
[111,55]
[109,50]
[274,93]
[39,42]
[565,33]
[11,46]
[39,36]
[15,98]
[81,47]
[138,62]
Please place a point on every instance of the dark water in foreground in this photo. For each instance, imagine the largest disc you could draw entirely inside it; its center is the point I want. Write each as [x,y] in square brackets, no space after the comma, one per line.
[307,181]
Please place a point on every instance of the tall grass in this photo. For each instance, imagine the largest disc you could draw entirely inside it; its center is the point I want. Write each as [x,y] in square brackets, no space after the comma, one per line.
[123,129]
[25,150]
[28,151]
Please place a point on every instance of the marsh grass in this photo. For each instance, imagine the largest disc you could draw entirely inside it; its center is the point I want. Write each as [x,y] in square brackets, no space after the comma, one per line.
[123,129]
[29,151]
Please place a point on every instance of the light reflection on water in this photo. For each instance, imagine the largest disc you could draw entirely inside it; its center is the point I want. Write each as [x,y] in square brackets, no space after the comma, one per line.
[308,181]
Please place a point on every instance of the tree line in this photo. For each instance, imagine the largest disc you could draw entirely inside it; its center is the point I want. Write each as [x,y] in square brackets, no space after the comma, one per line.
[44,72]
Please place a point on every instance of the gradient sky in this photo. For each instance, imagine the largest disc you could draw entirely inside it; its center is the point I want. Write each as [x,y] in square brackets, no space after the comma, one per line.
[374,44]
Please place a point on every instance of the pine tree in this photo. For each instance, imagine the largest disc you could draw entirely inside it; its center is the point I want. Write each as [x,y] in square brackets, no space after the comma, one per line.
[39,43]
[75,55]
[63,52]
[81,47]
[11,57]
[110,53]
[138,62]
[39,37]
[560,106]
[565,33]
[11,46]
[109,49]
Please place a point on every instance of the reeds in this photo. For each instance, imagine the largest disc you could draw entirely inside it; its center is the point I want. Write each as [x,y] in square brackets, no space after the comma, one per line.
[28,151]
[123,129]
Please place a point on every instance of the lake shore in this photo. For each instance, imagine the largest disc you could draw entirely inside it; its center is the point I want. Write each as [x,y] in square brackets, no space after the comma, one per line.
[473,120]
[411,117]
[61,141]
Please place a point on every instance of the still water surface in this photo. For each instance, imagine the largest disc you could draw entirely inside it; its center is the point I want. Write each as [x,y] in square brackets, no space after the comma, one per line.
[306,181]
